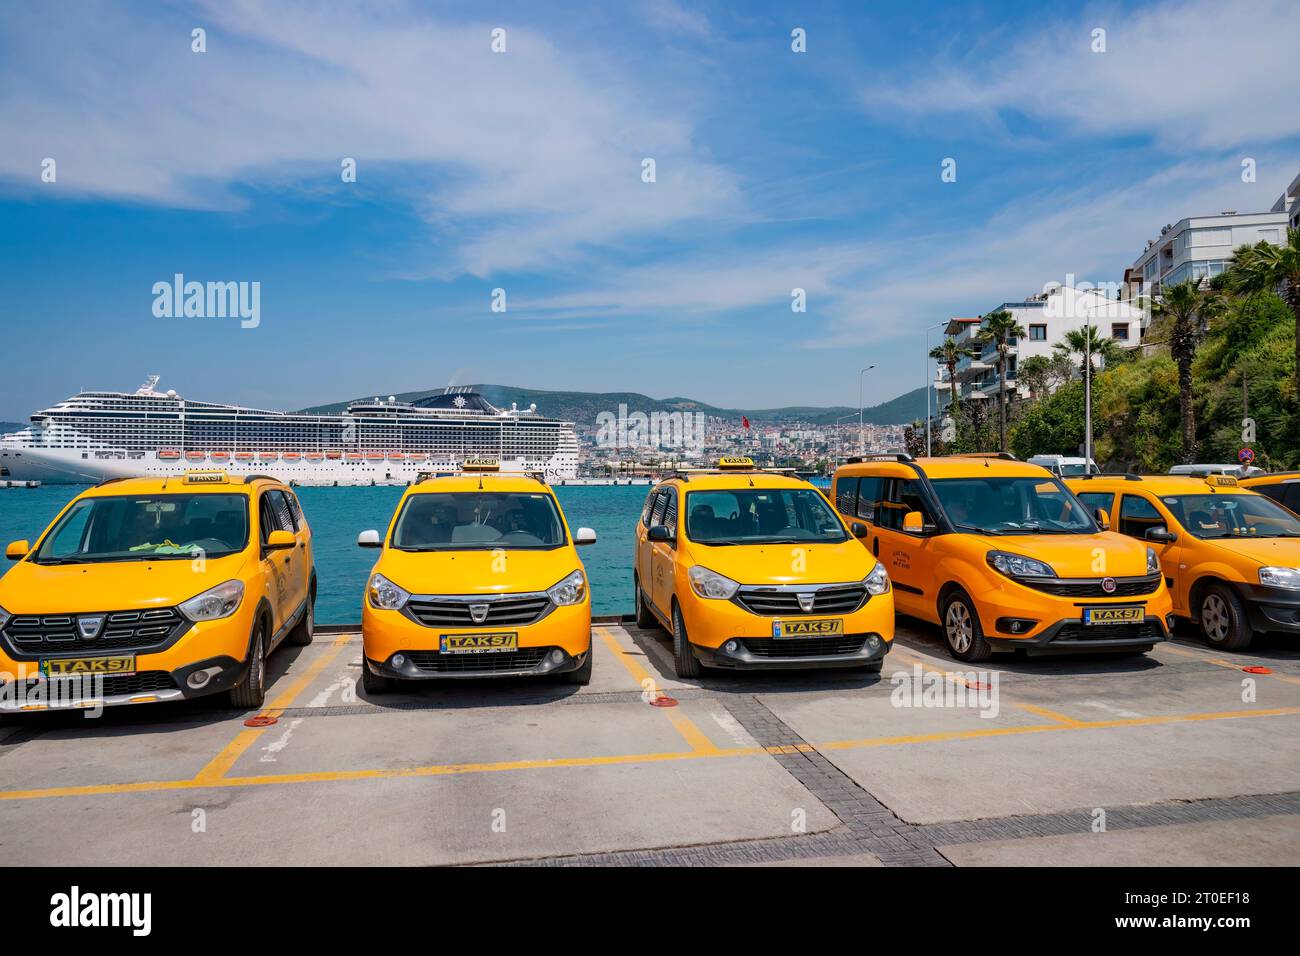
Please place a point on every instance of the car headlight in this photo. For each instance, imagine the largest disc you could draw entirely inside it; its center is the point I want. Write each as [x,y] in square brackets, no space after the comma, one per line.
[216,603]
[1019,566]
[4,617]
[711,584]
[386,595]
[1280,578]
[877,581]
[1153,561]
[569,591]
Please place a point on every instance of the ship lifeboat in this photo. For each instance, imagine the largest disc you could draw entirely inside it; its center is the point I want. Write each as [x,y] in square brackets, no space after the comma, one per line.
[374,456]
[291,456]
[220,456]
[168,454]
[314,456]
[354,456]
[396,456]
[243,456]
[195,455]
[334,455]
[269,456]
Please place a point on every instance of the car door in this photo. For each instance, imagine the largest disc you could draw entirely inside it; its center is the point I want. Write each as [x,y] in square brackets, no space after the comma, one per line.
[663,554]
[644,573]
[1136,515]
[907,556]
[297,555]
[276,565]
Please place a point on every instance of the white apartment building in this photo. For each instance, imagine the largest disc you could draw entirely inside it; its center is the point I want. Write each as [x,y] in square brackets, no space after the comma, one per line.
[1046,318]
[1288,205]
[1200,246]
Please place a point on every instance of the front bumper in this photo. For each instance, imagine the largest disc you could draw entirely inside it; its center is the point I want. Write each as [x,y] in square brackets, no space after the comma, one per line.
[743,653]
[557,643]
[1051,622]
[1072,636]
[1271,609]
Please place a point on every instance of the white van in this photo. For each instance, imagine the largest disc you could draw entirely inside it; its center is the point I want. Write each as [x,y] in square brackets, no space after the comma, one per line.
[1065,467]
[1236,471]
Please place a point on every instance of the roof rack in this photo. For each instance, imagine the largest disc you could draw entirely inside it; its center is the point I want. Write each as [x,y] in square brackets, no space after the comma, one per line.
[109,481]
[249,479]
[879,456]
[1003,455]
[1126,475]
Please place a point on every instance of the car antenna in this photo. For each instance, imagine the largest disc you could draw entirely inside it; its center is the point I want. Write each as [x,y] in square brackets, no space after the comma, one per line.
[480,481]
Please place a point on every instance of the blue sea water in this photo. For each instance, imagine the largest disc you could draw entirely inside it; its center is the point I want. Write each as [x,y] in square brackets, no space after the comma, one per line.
[337,515]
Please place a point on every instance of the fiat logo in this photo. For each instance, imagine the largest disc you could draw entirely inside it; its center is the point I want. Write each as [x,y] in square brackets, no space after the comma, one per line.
[1108,585]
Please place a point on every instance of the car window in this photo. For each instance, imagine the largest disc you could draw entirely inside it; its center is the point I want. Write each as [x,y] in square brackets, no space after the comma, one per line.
[869,497]
[1137,516]
[283,513]
[482,520]
[649,503]
[147,527]
[657,510]
[1232,515]
[269,517]
[1021,504]
[1097,499]
[299,521]
[670,511]
[1292,498]
[846,495]
[899,497]
[761,516]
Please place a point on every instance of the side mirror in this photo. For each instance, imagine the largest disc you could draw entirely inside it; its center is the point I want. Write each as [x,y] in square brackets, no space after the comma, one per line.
[369,539]
[859,529]
[913,523]
[658,532]
[584,536]
[17,550]
[1103,518]
[1161,534]
[280,541]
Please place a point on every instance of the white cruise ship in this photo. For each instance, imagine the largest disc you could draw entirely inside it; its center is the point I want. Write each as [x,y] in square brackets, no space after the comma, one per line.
[98,435]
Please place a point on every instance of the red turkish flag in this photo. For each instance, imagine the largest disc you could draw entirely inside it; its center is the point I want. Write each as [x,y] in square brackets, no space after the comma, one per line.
[744,421]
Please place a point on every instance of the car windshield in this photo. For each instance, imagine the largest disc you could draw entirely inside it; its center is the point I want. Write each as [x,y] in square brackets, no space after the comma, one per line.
[147,527]
[478,521]
[761,516]
[1024,505]
[1232,516]
[1074,471]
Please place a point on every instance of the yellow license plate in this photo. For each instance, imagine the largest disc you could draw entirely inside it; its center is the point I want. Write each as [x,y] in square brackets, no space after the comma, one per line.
[480,643]
[1113,615]
[824,628]
[87,666]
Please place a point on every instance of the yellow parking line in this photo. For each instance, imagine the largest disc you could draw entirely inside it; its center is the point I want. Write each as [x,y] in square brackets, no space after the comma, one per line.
[223,761]
[1204,656]
[1050,715]
[331,776]
[692,734]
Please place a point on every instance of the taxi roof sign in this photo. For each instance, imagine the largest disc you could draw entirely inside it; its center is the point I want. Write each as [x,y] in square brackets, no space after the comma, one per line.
[206,476]
[1221,481]
[725,464]
[481,464]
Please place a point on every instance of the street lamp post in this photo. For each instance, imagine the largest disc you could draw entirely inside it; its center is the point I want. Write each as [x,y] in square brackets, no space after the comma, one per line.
[862,447]
[929,384]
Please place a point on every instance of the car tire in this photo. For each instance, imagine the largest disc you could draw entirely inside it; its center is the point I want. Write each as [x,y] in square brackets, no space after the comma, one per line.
[582,676]
[962,632]
[251,690]
[645,618]
[685,663]
[1223,619]
[305,630]
[371,682]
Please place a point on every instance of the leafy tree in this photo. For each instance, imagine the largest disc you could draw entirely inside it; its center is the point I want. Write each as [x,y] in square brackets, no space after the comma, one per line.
[1188,308]
[1052,426]
[1265,267]
[949,352]
[1000,328]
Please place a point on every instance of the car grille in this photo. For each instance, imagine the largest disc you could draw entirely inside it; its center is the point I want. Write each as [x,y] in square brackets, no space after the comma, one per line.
[109,685]
[803,647]
[1091,588]
[506,612]
[435,662]
[44,634]
[1110,632]
[842,599]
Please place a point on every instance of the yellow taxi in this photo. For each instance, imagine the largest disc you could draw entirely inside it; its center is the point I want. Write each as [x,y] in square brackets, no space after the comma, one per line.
[145,590]
[1230,555]
[1002,556]
[753,569]
[1282,486]
[478,575]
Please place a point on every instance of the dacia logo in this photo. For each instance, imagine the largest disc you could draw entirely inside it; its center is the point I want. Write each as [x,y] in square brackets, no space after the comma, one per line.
[806,602]
[478,613]
[90,625]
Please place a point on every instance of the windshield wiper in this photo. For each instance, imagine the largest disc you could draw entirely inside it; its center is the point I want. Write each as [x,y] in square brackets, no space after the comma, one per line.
[971,527]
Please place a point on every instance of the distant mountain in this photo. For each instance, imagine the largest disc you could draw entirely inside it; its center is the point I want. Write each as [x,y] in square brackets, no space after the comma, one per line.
[583,407]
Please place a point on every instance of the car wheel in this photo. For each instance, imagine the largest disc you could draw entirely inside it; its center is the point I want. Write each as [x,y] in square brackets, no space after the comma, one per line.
[962,631]
[685,663]
[251,689]
[582,676]
[371,682]
[1223,619]
[305,629]
[645,618]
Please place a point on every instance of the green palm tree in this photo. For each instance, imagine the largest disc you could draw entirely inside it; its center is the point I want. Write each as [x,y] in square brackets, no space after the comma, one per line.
[1188,308]
[1265,267]
[1000,328]
[950,352]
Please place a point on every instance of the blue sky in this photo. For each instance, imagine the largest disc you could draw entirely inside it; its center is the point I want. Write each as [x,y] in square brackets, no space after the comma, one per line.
[521,170]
